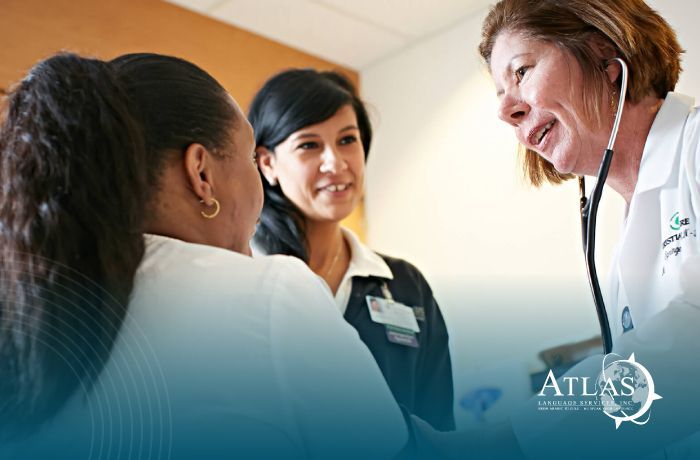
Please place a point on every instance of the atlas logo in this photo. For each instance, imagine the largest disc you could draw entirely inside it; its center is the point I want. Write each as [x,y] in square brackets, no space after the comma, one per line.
[624,391]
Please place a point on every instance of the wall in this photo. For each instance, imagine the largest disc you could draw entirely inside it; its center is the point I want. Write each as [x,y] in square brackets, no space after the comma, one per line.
[241,61]
[444,191]
[33,29]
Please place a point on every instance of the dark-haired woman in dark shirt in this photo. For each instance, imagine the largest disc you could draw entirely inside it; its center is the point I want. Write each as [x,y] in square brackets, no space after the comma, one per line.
[312,137]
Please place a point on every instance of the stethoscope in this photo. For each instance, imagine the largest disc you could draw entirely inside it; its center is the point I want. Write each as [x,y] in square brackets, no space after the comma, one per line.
[589,210]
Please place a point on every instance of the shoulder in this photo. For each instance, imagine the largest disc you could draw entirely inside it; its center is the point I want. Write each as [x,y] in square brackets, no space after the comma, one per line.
[692,142]
[692,124]
[410,286]
[168,256]
[403,269]
[170,264]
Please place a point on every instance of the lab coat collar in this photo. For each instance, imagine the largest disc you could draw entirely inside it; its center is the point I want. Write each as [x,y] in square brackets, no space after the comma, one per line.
[364,262]
[663,138]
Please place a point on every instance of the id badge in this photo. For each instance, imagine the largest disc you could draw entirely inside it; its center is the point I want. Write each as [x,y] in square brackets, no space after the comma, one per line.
[399,320]
[392,313]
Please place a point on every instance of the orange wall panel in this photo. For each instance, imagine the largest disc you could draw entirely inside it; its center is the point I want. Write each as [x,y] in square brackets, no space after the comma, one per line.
[34,29]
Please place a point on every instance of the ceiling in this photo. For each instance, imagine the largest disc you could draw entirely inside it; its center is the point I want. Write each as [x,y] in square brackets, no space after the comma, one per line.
[353,33]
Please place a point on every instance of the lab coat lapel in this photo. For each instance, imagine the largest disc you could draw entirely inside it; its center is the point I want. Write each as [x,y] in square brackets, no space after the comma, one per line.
[642,236]
[639,248]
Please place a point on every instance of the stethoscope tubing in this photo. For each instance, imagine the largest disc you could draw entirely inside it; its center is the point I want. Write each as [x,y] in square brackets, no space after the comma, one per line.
[589,212]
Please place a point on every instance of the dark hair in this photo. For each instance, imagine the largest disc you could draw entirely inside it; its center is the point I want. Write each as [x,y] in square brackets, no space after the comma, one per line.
[71,175]
[638,34]
[178,104]
[286,103]
[81,145]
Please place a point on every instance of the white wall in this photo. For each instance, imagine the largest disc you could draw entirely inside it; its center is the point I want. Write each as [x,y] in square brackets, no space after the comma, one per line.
[443,191]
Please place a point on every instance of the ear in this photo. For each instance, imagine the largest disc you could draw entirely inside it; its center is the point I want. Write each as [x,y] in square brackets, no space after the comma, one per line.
[197,163]
[613,69]
[606,52]
[266,163]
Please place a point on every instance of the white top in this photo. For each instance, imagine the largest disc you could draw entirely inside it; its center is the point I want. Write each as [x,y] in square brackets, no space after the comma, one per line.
[657,275]
[222,351]
[363,262]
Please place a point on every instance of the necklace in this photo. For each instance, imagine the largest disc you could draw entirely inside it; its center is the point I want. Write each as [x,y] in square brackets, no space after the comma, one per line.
[335,260]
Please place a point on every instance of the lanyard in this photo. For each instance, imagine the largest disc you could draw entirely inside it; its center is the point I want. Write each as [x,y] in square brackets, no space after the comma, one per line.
[386,292]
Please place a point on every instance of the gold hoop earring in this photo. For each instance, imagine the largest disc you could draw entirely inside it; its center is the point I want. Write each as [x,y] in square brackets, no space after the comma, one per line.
[216,211]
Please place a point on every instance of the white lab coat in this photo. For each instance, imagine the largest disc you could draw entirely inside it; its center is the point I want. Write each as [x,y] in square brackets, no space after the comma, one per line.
[659,241]
[226,356]
[660,283]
